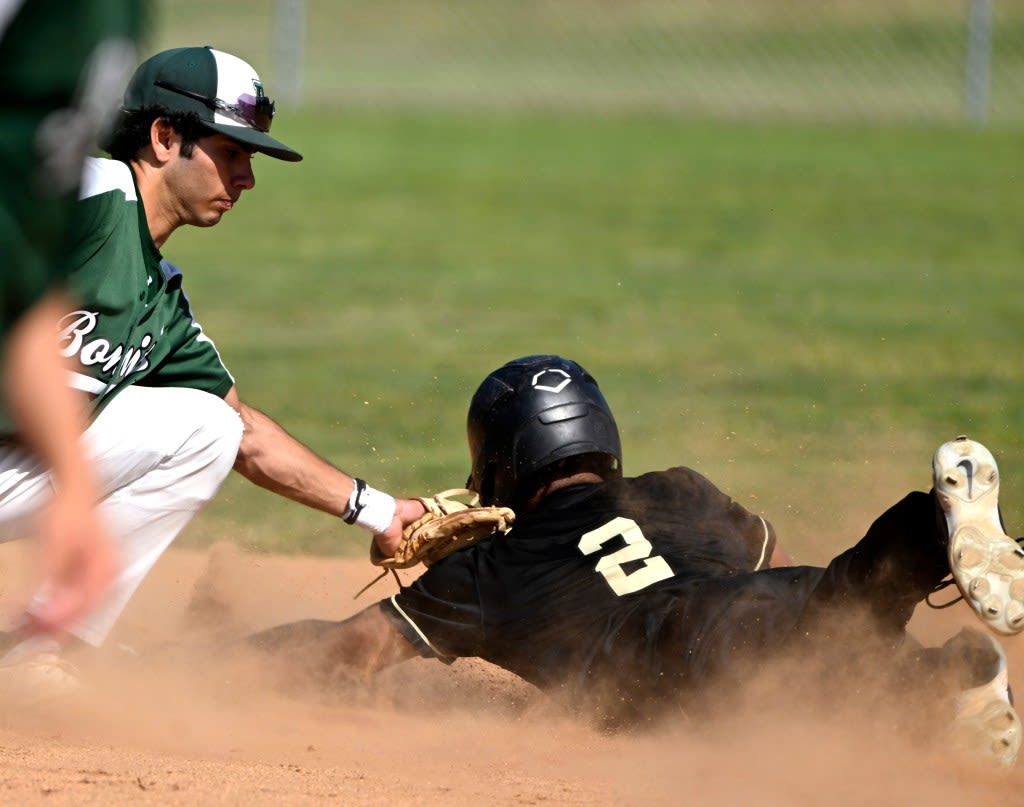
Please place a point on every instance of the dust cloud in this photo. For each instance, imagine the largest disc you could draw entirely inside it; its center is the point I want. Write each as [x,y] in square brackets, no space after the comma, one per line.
[172,714]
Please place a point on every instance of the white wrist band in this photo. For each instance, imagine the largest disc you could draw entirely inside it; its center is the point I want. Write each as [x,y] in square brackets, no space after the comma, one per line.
[378,511]
[369,508]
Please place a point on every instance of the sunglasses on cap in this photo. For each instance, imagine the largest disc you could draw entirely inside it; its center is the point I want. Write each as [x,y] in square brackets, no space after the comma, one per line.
[256,111]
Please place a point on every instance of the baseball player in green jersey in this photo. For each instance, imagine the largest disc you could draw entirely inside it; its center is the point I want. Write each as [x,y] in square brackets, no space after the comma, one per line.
[169,423]
[63,64]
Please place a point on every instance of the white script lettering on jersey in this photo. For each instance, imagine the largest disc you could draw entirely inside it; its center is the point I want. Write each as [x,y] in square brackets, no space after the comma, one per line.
[74,330]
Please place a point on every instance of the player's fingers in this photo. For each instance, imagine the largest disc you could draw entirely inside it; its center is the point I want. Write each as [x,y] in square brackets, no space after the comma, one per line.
[389,541]
[74,590]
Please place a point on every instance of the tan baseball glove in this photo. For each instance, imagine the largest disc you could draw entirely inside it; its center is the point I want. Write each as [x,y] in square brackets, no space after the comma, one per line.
[448,525]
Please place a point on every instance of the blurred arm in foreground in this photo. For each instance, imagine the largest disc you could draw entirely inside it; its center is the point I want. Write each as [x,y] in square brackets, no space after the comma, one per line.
[76,556]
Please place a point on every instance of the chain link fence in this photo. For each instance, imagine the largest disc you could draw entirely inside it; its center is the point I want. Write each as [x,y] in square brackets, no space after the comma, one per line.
[850,61]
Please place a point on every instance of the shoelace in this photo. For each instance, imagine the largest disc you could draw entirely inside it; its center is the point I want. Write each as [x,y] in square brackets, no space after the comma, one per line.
[949,581]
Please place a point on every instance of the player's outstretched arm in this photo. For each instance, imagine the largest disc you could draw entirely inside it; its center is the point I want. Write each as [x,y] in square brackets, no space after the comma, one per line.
[362,644]
[273,459]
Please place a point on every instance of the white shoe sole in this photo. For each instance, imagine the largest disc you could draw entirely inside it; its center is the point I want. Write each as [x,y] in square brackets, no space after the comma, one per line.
[992,733]
[985,724]
[987,564]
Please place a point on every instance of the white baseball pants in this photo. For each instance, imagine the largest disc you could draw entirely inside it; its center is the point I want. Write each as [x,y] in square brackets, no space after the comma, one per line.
[160,454]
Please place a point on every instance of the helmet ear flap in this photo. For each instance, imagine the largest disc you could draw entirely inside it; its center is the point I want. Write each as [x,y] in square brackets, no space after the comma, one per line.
[485,490]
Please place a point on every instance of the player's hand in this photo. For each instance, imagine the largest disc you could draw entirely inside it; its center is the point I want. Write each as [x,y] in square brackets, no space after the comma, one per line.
[406,512]
[78,563]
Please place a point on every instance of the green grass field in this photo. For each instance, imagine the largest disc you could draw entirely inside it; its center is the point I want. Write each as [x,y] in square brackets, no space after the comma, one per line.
[801,313]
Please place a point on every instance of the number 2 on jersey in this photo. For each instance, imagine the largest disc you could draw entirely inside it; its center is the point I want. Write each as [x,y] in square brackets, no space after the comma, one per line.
[637,547]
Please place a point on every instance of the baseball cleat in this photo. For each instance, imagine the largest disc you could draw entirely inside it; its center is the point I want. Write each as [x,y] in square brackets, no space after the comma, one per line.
[985,724]
[987,565]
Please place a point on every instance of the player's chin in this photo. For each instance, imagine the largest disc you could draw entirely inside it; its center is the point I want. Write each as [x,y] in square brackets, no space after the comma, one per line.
[210,218]
[218,207]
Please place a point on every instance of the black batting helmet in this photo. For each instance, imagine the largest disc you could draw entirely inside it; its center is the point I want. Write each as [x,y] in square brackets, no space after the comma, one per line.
[530,413]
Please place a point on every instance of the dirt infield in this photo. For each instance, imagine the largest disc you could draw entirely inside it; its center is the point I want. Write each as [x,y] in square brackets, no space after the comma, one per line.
[169,727]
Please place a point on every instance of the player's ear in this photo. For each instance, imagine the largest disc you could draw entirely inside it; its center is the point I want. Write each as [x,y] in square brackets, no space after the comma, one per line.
[163,139]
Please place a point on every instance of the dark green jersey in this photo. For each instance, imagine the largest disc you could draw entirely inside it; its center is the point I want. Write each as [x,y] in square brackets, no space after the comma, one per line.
[134,324]
[63,65]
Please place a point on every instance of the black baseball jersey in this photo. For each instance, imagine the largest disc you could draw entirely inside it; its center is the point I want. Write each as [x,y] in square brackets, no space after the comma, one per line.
[583,592]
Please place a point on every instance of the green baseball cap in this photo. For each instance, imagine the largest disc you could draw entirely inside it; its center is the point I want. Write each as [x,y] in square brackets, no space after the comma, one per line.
[224,91]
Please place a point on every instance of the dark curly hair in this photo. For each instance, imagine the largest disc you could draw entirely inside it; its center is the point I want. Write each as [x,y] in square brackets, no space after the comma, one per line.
[130,132]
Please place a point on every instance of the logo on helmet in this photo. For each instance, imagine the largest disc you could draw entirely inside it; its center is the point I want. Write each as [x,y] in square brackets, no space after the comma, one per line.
[555,380]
